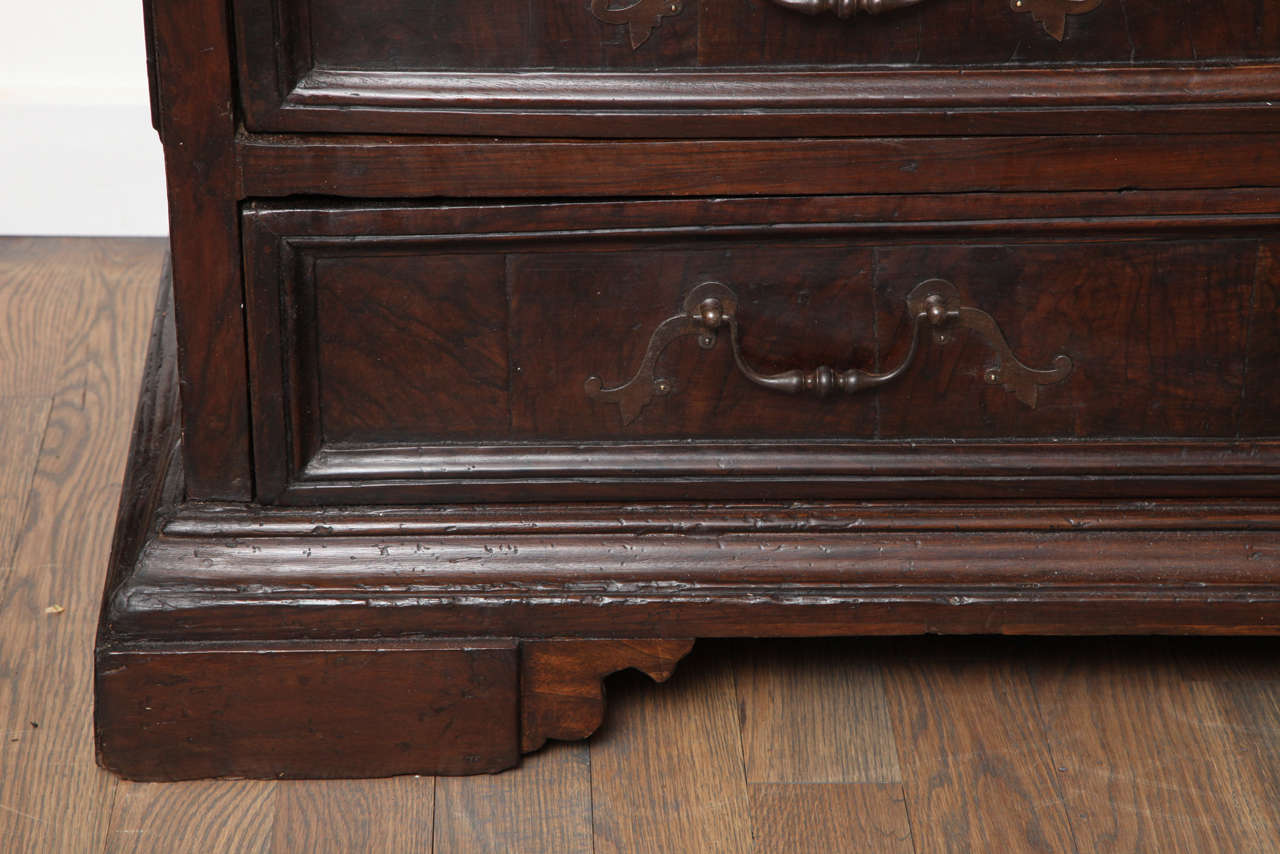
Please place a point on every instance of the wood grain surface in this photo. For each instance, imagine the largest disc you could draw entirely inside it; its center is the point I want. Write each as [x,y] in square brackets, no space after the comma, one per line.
[192,818]
[421,354]
[971,747]
[306,710]
[764,34]
[414,166]
[187,44]
[561,695]
[22,424]
[547,67]
[62,530]
[1152,714]
[841,734]
[544,809]
[1159,725]
[662,781]
[868,818]
[391,816]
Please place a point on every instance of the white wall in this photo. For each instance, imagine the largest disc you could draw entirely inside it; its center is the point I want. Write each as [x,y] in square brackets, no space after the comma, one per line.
[77,151]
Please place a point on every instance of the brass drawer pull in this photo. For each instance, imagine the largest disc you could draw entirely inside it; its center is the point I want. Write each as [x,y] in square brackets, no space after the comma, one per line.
[642,17]
[933,305]
[846,8]
[1051,13]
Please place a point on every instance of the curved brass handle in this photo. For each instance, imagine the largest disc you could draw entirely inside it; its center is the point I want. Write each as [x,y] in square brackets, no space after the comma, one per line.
[642,17]
[1052,14]
[932,305]
[846,8]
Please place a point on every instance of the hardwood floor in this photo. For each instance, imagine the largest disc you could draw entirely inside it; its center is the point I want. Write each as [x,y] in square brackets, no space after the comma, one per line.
[901,745]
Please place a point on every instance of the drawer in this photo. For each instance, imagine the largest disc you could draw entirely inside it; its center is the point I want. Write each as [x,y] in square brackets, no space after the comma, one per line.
[674,350]
[662,68]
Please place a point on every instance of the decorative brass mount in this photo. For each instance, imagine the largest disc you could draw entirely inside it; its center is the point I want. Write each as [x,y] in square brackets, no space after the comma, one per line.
[641,17]
[933,305]
[1052,14]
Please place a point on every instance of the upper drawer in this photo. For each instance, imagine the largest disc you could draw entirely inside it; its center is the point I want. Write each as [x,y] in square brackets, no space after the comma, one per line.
[756,67]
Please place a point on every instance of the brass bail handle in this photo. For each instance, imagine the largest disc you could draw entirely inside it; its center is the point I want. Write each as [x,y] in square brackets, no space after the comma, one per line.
[934,306]
[642,17]
[845,8]
[1052,14]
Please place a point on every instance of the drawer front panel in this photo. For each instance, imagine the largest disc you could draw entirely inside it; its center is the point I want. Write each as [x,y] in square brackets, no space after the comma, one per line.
[702,67]
[417,353]
[403,35]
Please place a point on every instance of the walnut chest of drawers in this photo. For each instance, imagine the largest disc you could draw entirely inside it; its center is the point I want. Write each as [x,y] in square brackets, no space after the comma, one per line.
[507,345]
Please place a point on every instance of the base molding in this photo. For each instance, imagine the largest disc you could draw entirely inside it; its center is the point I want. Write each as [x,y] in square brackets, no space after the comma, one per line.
[1123,571]
[252,641]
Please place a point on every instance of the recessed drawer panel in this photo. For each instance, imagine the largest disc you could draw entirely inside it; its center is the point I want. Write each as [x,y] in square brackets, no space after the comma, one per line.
[761,348]
[753,67]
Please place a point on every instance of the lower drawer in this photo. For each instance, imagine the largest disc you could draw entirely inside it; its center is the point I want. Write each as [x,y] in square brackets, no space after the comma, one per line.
[973,347]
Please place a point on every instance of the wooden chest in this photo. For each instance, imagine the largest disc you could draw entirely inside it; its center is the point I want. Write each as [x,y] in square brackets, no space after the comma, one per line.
[511,345]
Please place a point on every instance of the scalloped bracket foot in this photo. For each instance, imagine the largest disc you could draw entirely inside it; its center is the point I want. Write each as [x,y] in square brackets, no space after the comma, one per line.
[561,682]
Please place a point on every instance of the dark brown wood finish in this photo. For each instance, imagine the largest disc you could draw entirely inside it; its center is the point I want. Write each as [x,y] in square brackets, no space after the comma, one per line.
[1186,729]
[1075,581]
[1158,332]
[413,167]
[281,581]
[1264,343]
[296,587]
[445,316]
[197,126]
[391,66]
[1184,99]
[155,480]
[174,712]
[397,35]
[389,527]
[561,695]
[1156,320]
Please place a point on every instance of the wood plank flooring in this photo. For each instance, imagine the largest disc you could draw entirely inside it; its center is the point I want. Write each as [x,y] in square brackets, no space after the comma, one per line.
[911,745]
